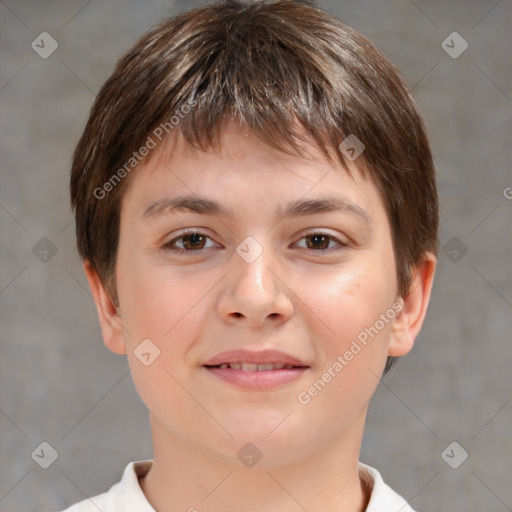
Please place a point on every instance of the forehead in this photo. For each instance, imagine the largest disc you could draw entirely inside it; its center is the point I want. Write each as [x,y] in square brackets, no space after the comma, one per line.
[244,170]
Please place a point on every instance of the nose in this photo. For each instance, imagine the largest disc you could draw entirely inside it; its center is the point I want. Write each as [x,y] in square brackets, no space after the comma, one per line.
[254,294]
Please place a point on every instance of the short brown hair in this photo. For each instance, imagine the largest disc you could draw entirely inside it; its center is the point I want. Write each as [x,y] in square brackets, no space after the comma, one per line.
[282,68]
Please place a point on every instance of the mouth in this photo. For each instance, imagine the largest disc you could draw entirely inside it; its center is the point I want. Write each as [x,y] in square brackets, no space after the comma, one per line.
[250,360]
[256,369]
[253,367]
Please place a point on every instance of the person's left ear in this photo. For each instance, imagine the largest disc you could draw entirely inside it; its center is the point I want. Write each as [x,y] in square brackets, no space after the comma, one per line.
[408,322]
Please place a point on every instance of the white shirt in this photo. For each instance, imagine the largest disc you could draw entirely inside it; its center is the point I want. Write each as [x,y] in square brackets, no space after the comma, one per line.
[127,495]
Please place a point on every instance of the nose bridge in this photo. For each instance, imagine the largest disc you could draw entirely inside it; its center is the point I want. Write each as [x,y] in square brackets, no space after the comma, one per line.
[255,281]
[255,291]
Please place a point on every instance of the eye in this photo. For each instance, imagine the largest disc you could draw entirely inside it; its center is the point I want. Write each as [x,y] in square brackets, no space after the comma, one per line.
[191,241]
[195,241]
[321,242]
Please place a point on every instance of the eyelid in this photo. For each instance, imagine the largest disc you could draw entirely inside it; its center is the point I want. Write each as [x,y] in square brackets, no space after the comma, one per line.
[342,243]
[181,234]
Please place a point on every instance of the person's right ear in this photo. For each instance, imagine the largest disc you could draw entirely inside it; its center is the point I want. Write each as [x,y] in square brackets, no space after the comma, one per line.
[110,320]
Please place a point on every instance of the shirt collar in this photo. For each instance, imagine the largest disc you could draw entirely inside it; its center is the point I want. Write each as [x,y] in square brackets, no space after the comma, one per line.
[383,498]
[130,498]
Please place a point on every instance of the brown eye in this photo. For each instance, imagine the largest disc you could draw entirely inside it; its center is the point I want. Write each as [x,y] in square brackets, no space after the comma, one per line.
[194,241]
[322,242]
[187,242]
[318,241]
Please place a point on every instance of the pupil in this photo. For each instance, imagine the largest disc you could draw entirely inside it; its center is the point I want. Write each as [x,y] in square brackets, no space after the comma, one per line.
[195,239]
[319,238]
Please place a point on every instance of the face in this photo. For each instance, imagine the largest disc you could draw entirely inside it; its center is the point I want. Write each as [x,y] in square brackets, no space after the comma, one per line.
[247,248]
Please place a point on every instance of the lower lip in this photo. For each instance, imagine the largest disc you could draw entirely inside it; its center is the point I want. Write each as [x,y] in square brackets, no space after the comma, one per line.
[257,380]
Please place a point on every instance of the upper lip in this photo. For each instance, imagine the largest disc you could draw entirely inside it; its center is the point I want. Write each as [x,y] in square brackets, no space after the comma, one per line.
[256,357]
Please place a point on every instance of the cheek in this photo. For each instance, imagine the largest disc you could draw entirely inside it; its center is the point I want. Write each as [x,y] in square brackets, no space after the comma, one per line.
[354,345]
[349,300]
[154,298]
[165,305]
[158,307]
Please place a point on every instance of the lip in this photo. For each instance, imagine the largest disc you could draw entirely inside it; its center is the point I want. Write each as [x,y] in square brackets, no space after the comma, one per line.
[258,380]
[256,357]
[263,379]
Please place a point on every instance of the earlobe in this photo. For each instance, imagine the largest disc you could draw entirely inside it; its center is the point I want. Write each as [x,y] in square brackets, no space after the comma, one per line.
[109,317]
[408,322]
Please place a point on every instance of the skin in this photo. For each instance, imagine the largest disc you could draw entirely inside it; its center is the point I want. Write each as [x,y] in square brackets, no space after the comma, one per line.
[293,297]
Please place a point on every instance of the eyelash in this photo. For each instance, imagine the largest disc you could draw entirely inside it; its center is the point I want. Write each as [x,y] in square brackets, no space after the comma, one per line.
[168,246]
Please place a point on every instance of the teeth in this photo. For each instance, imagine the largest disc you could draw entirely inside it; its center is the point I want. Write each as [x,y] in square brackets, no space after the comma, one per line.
[268,366]
[253,367]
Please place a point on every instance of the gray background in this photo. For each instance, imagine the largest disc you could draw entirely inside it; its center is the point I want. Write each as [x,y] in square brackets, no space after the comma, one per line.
[59,384]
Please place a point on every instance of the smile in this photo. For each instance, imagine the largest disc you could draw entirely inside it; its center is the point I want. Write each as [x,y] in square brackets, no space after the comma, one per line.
[256,376]
[253,367]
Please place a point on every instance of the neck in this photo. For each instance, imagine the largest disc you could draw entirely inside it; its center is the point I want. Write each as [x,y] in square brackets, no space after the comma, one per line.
[189,479]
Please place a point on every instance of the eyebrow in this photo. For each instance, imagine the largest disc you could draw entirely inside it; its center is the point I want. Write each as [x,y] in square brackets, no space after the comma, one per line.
[301,207]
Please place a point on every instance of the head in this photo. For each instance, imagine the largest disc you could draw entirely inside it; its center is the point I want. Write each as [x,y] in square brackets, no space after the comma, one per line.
[249,104]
